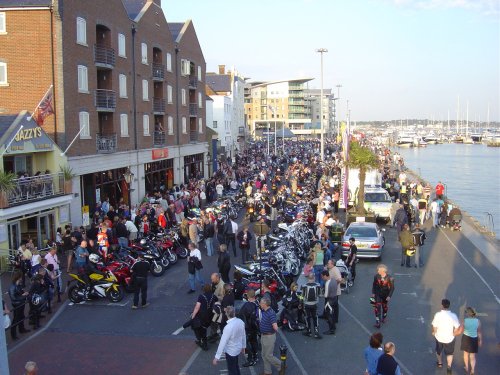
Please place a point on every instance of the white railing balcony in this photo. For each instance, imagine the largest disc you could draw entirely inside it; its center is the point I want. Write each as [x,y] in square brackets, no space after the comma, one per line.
[39,187]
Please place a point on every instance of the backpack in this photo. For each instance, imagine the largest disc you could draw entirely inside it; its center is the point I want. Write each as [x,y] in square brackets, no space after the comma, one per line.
[311,294]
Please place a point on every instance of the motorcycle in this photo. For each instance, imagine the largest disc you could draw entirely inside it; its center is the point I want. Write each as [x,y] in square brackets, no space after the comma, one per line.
[152,255]
[181,251]
[101,286]
[121,270]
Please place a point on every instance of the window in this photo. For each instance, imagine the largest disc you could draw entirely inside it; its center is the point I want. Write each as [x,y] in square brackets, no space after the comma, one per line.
[200,100]
[84,125]
[81,31]
[183,96]
[184,126]
[169,62]
[3,27]
[123,85]
[145,124]
[199,73]
[200,125]
[124,125]
[185,68]
[169,94]
[145,90]
[215,125]
[83,79]
[122,50]
[144,53]
[170,123]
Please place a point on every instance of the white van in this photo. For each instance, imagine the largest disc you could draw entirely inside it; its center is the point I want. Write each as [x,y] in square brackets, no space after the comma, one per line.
[378,201]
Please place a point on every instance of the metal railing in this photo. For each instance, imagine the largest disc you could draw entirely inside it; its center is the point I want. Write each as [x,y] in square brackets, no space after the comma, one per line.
[105,100]
[193,109]
[158,71]
[104,56]
[158,105]
[43,186]
[193,136]
[106,143]
[193,82]
[159,138]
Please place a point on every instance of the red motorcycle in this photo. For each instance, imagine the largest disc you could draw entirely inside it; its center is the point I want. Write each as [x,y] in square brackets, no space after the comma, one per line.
[121,270]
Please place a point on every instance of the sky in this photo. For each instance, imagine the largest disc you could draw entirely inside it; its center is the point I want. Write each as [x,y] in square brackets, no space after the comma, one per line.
[395,59]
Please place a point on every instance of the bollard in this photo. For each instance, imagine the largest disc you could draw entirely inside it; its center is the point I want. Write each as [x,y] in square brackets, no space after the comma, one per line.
[283,350]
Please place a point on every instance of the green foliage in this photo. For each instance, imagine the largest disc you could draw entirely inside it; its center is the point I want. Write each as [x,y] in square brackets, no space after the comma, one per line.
[67,172]
[7,182]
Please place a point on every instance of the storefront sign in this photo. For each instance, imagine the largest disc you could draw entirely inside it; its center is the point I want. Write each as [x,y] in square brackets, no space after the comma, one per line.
[31,138]
[64,214]
[98,195]
[159,153]
[85,216]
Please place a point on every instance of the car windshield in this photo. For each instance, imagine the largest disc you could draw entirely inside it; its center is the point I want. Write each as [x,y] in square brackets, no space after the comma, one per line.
[361,232]
[377,197]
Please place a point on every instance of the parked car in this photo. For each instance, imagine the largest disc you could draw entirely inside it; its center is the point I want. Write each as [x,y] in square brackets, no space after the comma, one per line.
[378,201]
[369,238]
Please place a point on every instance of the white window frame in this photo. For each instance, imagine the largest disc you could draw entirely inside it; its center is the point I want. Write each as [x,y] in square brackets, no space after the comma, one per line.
[3,23]
[200,100]
[184,125]
[170,125]
[122,45]
[214,125]
[122,83]
[199,73]
[169,62]
[200,125]
[145,125]
[83,118]
[183,97]
[124,125]
[3,67]
[145,90]
[169,94]
[81,31]
[83,79]
[144,53]
[185,67]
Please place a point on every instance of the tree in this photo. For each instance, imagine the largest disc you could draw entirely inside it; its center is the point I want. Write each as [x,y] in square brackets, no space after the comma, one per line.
[362,158]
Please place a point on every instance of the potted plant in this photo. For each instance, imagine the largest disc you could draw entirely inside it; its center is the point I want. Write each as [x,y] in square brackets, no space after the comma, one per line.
[7,186]
[361,158]
[68,177]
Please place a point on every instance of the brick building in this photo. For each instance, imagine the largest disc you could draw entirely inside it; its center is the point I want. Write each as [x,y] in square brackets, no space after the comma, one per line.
[128,89]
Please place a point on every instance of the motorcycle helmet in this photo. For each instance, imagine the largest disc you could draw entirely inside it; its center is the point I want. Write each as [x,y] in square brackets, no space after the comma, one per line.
[143,242]
[94,258]
[411,252]
[36,299]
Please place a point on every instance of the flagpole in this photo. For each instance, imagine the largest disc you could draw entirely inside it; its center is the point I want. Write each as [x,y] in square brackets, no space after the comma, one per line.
[12,140]
[40,102]
[73,141]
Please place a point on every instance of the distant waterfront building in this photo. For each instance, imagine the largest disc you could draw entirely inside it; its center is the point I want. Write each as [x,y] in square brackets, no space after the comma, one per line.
[312,100]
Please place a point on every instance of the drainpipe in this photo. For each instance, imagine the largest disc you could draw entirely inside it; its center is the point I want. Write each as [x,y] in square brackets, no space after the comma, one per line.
[177,138]
[53,71]
[134,101]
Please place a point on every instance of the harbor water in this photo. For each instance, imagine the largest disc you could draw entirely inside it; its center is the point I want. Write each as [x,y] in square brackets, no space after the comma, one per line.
[470,173]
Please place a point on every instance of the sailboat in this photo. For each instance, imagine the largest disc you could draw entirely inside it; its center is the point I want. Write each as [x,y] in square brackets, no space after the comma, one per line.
[467,139]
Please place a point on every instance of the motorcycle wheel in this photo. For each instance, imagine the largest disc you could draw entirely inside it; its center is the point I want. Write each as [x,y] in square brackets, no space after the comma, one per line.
[157,269]
[116,295]
[172,257]
[294,270]
[182,252]
[73,294]
[165,262]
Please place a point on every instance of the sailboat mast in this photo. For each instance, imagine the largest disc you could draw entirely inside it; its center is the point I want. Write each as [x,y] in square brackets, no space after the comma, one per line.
[458,112]
[467,120]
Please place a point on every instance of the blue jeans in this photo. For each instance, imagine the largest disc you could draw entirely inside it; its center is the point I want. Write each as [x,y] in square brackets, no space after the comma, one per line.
[195,277]
[209,243]
[435,219]
[123,241]
[317,273]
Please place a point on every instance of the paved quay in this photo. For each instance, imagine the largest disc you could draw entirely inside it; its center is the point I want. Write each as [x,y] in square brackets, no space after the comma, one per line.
[98,337]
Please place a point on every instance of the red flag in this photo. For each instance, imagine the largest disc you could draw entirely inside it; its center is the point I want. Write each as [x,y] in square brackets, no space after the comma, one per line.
[45,107]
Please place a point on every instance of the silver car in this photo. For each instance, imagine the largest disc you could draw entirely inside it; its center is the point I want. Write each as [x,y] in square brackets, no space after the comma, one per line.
[369,238]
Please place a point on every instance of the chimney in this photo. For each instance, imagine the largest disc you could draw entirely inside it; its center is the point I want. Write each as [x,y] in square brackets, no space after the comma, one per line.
[222,69]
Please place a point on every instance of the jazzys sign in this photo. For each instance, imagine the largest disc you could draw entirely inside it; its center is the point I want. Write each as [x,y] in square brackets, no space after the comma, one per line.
[30,138]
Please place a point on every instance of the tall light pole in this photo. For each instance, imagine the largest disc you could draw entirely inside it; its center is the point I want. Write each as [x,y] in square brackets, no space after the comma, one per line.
[321,51]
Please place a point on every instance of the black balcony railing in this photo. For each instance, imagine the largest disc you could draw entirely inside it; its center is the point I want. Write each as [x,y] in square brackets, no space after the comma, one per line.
[104,56]
[193,109]
[158,105]
[193,136]
[105,100]
[158,71]
[159,138]
[43,186]
[193,82]
[106,143]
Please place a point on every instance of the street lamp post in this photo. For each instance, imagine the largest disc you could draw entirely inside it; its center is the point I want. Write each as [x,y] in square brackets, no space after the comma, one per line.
[209,160]
[337,109]
[321,51]
[128,177]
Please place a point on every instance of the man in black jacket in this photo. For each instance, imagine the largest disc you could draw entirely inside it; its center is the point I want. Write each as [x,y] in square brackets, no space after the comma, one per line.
[209,233]
[249,314]
[140,271]
[121,232]
[224,263]
[230,230]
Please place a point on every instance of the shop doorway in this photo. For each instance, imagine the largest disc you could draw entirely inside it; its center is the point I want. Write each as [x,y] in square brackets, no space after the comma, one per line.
[14,232]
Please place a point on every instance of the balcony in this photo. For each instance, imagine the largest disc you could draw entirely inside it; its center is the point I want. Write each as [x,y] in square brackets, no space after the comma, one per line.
[106,143]
[158,71]
[29,189]
[105,100]
[104,57]
[158,106]
[159,138]
[193,110]
[193,83]
[193,136]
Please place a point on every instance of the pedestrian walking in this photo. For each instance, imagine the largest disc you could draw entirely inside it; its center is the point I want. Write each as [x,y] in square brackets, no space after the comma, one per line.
[310,292]
[352,258]
[386,364]
[232,342]
[400,218]
[337,276]
[382,290]
[331,299]
[140,271]
[224,263]
[268,327]
[201,316]
[230,229]
[407,247]
[471,339]
[373,352]
[208,234]
[249,313]
[418,241]
[445,326]
[194,267]
[244,237]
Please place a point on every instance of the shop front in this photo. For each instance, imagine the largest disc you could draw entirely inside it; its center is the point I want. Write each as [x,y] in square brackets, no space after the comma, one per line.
[159,173]
[194,167]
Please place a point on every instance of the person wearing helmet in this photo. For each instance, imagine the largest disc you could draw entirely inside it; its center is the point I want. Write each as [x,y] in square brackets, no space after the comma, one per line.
[37,293]
[382,290]
[90,268]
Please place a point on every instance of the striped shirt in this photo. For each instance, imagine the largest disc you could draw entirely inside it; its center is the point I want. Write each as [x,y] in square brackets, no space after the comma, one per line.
[267,319]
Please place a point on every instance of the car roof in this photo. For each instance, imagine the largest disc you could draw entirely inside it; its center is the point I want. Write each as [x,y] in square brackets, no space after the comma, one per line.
[361,224]
[374,190]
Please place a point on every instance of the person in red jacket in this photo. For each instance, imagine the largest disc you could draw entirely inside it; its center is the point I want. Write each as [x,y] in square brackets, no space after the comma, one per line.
[439,189]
